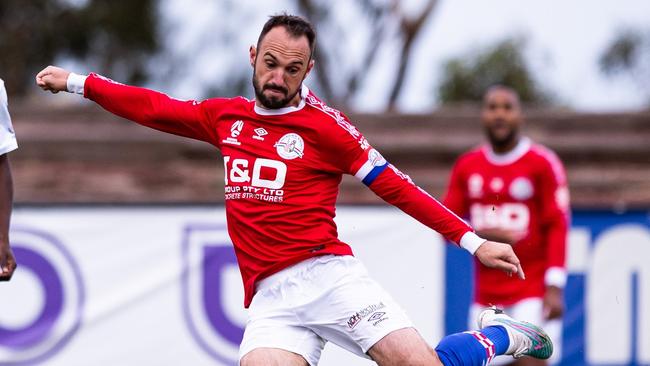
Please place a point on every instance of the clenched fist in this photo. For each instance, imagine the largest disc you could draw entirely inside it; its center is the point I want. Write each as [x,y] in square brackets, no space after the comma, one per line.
[52,78]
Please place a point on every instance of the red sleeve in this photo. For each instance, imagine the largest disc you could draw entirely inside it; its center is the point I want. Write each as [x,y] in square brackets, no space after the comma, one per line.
[455,198]
[397,189]
[555,216]
[153,109]
[347,151]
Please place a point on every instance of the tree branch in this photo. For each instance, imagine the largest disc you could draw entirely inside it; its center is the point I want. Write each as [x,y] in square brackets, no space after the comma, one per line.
[410,29]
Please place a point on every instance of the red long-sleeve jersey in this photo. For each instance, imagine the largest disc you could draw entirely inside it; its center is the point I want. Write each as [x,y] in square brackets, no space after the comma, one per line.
[282,171]
[524,191]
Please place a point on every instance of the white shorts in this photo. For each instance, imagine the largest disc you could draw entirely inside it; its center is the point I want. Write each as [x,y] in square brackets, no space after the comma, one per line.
[327,298]
[529,310]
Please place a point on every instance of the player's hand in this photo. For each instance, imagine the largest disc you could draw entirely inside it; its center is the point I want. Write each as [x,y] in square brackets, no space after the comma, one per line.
[52,78]
[553,303]
[7,262]
[500,256]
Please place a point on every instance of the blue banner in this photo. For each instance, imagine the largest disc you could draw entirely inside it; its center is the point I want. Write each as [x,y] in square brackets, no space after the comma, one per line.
[607,317]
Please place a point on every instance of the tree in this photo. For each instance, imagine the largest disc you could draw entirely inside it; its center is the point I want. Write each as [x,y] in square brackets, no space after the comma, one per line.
[629,55]
[467,78]
[113,37]
[121,39]
[385,22]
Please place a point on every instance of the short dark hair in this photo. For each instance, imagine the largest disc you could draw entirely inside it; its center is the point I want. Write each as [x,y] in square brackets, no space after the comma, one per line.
[296,26]
[504,87]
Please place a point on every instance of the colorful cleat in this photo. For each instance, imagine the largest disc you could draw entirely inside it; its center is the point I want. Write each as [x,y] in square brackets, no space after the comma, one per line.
[526,339]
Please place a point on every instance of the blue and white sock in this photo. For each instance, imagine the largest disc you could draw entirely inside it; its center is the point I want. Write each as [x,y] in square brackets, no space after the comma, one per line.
[473,348]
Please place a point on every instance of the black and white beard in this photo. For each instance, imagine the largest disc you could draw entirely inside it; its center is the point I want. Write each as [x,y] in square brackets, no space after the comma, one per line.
[272,103]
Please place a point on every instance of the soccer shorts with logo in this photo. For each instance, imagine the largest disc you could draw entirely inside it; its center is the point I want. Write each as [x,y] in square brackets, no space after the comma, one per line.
[327,298]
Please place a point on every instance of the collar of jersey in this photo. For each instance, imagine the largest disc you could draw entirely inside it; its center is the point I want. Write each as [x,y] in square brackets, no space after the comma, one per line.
[276,112]
[511,156]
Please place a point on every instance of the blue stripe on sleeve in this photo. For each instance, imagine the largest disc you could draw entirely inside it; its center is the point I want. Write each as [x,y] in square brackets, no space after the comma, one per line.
[373,174]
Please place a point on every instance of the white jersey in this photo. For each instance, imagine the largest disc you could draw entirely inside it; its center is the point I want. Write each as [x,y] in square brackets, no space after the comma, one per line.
[7,136]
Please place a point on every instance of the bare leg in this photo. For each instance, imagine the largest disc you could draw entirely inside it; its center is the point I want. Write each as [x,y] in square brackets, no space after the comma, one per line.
[403,347]
[272,357]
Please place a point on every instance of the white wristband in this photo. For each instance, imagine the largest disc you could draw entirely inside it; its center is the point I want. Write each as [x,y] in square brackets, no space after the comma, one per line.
[470,241]
[75,83]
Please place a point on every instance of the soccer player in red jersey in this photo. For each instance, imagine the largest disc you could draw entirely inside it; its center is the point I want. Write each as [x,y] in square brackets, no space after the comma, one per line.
[7,143]
[284,156]
[515,191]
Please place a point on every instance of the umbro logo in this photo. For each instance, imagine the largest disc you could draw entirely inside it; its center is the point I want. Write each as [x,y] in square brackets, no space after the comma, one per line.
[260,133]
[377,318]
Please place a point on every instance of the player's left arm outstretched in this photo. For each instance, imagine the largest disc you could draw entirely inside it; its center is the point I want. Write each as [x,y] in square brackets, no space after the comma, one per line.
[187,118]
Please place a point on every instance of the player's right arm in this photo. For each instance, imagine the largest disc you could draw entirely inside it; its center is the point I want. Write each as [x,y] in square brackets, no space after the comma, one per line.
[397,189]
[147,107]
[349,152]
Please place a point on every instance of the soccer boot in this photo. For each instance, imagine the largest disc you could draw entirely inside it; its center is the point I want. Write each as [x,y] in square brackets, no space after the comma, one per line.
[526,339]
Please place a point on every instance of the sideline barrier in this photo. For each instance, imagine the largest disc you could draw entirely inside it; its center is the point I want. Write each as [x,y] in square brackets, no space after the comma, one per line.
[159,285]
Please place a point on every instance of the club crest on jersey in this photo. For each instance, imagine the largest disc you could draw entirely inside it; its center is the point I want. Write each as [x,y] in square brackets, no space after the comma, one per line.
[521,189]
[290,146]
[235,131]
[475,186]
[496,184]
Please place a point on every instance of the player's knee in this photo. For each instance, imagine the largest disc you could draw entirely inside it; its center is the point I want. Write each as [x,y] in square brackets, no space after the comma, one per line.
[426,357]
[420,358]
[403,347]
[258,357]
[252,358]
[423,358]
[272,357]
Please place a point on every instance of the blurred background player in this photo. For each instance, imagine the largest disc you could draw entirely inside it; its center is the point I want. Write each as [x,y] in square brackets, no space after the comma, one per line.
[515,191]
[7,143]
